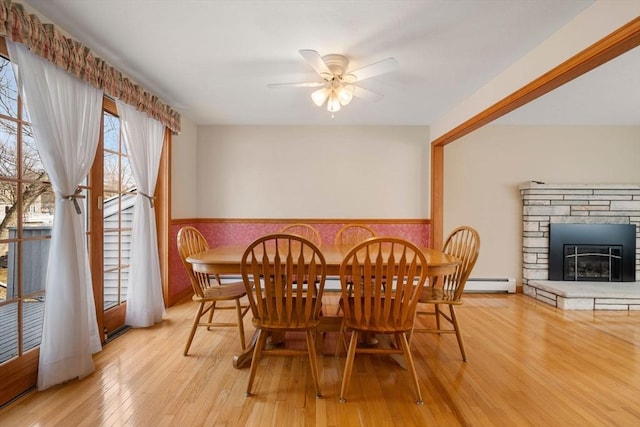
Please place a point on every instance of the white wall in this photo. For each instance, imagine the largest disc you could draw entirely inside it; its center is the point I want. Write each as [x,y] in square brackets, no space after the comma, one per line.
[184,202]
[312,172]
[484,169]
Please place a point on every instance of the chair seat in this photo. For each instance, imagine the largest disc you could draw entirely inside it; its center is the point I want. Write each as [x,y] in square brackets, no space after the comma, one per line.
[431,295]
[293,322]
[351,322]
[228,291]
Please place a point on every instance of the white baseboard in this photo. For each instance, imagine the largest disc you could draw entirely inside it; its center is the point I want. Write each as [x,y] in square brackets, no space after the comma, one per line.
[477,284]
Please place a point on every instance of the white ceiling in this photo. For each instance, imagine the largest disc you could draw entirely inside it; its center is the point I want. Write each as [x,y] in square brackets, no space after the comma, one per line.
[211,60]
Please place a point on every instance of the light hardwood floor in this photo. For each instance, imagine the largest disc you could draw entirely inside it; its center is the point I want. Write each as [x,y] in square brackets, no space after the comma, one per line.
[529,364]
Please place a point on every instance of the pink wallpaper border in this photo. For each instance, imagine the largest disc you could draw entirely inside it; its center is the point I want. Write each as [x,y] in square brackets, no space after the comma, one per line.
[224,233]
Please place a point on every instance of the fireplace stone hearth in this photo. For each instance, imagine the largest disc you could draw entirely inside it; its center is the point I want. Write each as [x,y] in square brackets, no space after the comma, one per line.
[586,295]
[545,204]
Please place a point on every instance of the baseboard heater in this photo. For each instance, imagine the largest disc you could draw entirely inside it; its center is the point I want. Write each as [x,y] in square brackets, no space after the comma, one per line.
[480,284]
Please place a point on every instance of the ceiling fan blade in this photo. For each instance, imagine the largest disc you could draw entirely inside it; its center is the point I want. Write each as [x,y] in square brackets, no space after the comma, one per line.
[315,60]
[367,94]
[375,69]
[310,84]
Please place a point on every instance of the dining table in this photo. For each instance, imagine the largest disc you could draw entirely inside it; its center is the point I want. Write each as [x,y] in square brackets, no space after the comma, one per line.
[226,260]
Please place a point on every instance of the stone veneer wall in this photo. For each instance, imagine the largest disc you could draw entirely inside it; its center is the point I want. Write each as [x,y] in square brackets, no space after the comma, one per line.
[543,204]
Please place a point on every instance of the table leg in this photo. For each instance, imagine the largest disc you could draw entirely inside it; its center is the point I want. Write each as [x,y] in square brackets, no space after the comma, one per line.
[243,359]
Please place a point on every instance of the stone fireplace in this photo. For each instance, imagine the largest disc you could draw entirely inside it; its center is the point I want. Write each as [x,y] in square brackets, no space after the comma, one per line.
[550,206]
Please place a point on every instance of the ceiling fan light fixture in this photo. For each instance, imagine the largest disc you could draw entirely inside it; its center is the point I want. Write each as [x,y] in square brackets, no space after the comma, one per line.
[334,103]
[345,94]
[338,85]
[320,96]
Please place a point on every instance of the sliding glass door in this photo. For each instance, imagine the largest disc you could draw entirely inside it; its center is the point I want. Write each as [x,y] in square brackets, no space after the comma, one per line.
[27,204]
[116,207]
[26,218]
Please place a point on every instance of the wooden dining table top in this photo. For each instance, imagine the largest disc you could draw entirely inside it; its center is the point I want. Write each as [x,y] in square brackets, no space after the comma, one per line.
[227,259]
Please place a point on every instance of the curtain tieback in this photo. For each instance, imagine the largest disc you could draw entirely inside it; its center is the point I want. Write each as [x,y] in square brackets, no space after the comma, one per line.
[75,196]
[151,198]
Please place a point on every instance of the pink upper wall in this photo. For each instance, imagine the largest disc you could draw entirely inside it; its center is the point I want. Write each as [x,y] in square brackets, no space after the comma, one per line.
[242,233]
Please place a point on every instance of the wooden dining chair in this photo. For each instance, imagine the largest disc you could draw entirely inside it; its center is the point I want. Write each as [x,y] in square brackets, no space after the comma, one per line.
[306,231]
[207,291]
[391,273]
[351,234]
[464,244]
[279,302]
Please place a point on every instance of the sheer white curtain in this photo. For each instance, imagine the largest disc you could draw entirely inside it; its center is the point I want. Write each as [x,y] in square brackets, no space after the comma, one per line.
[143,137]
[65,113]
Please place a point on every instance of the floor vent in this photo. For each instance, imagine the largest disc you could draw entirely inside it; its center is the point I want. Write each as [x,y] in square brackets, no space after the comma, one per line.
[116,333]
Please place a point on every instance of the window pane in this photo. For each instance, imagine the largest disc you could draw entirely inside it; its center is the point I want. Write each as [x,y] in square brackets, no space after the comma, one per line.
[8,148]
[8,331]
[124,282]
[111,132]
[111,175]
[8,212]
[128,183]
[33,167]
[116,260]
[12,291]
[38,204]
[8,90]
[35,258]
[33,309]
[4,271]
[111,292]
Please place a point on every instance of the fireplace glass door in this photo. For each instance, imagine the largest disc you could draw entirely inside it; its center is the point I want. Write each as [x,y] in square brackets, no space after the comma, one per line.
[593,263]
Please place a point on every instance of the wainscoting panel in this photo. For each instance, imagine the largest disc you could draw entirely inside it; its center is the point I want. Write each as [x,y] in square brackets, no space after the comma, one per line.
[224,232]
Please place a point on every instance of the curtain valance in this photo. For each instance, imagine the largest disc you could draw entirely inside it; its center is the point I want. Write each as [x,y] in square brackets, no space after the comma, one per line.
[46,41]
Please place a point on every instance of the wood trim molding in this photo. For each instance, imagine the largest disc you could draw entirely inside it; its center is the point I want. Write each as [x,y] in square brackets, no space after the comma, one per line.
[614,44]
[437,195]
[18,375]
[163,211]
[299,220]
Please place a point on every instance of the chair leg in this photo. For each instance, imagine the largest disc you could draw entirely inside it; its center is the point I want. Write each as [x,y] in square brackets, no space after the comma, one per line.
[196,320]
[410,365]
[348,366]
[415,318]
[437,314]
[313,360]
[212,308]
[257,352]
[240,324]
[341,340]
[454,320]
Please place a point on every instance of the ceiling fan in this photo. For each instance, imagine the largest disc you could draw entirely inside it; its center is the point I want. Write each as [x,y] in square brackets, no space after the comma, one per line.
[338,85]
